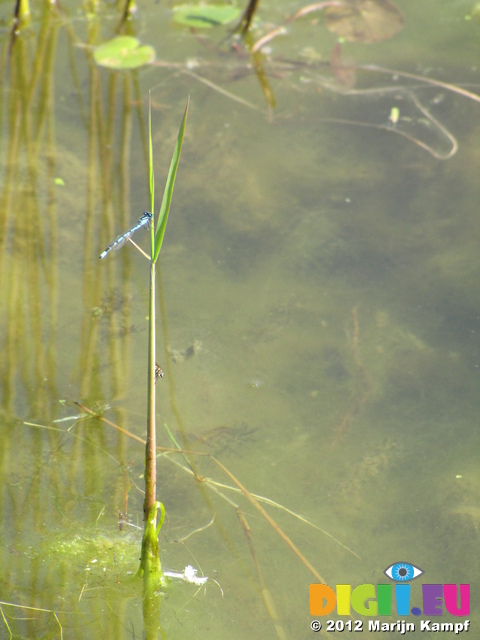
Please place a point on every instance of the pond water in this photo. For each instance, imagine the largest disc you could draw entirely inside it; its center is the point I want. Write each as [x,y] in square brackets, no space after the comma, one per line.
[318,320]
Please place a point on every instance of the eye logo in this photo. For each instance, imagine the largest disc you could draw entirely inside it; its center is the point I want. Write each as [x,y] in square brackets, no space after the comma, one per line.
[403,572]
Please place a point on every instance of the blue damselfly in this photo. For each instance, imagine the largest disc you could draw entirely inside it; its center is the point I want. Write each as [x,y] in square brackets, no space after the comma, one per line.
[143,221]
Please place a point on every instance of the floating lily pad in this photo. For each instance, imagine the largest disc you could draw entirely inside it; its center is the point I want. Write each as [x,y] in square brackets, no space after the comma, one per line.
[205,16]
[123,52]
[364,20]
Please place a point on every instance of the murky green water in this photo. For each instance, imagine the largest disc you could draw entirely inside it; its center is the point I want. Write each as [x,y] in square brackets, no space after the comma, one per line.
[319,290]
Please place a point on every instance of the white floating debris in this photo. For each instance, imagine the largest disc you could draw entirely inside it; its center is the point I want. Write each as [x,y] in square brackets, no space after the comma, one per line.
[191,576]
[188,575]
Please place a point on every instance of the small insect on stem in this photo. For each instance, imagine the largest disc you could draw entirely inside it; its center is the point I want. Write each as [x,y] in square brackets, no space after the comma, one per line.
[158,372]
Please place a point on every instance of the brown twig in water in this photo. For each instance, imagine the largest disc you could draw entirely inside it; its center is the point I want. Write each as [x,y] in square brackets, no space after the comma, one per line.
[360,402]
[436,83]
[394,129]
[247,17]
[266,595]
[318,6]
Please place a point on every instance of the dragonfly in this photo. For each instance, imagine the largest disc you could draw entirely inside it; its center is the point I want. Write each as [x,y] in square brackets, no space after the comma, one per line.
[143,221]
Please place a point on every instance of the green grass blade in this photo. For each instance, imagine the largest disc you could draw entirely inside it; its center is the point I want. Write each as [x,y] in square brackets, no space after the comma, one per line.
[150,166]
[150,151]
[168,193]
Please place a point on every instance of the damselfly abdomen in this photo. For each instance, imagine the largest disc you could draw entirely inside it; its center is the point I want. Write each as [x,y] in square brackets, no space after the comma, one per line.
[143,221]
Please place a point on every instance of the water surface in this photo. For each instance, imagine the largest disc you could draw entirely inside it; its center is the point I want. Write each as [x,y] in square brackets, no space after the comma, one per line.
[319,333]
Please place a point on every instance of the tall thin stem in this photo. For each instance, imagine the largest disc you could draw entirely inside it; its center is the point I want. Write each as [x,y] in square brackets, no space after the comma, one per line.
[150,459]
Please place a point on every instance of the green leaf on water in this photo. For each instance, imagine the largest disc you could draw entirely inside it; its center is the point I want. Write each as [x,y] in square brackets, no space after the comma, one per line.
[123,52]
[205,16]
